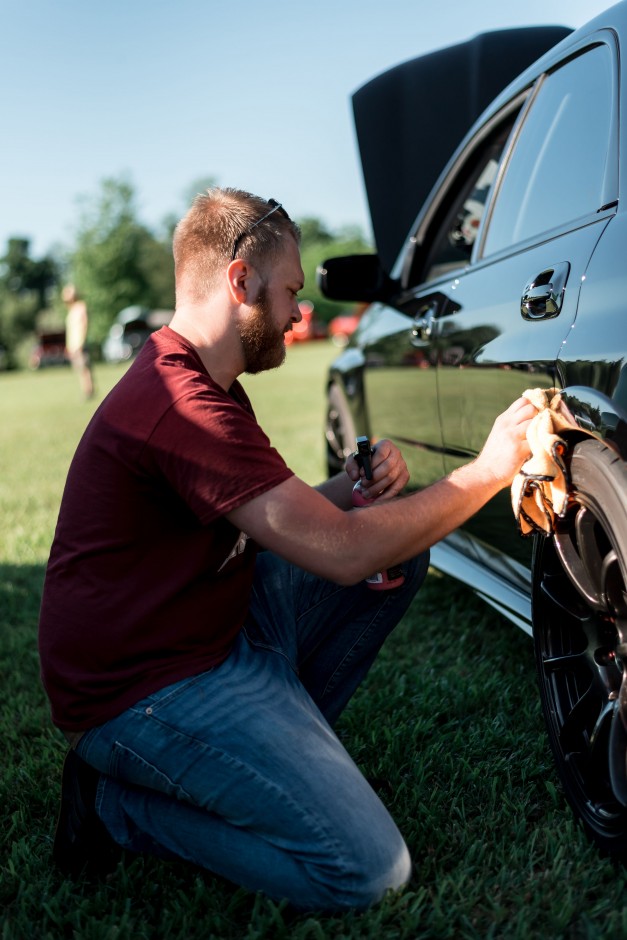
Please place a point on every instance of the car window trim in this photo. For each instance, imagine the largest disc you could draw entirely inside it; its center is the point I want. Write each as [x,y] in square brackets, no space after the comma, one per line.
[456,168]
[510,146]
[534,241]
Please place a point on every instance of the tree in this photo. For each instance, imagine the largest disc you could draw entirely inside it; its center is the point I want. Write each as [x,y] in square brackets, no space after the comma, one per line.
[312,232]
[317,244]
[25,289]
[117,261]
[20,274]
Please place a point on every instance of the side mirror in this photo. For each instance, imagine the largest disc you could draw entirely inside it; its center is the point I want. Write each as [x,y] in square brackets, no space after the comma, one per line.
[355,278]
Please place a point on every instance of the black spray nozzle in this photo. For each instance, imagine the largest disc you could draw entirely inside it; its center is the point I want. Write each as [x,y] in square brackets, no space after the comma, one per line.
[362,456]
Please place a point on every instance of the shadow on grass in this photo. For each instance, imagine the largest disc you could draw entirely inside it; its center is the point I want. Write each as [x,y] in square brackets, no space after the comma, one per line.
[24,712]
[20,596]
[23,695]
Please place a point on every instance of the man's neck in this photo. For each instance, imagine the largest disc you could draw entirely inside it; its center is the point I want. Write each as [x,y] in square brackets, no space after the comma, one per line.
[218,347]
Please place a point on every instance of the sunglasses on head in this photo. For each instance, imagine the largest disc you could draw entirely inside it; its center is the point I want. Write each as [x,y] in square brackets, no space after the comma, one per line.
[274,207]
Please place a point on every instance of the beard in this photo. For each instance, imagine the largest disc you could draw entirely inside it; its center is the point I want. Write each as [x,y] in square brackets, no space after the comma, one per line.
[263,343]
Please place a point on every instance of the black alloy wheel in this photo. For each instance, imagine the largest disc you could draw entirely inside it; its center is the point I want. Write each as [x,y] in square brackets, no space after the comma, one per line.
[580,639]
[340,430]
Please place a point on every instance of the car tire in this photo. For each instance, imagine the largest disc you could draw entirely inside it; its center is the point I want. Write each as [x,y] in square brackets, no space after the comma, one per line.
[580,640]
[340,430]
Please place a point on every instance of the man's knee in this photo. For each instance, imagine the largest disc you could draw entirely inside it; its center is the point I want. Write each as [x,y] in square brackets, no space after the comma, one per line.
[380,875]
[416,570]
[362,876]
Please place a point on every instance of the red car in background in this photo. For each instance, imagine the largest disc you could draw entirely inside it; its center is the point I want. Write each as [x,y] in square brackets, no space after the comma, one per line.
[342,327]
[49,350]
[308,328]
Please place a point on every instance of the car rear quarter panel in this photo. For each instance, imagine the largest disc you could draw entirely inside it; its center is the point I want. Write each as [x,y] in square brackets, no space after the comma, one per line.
[592,365]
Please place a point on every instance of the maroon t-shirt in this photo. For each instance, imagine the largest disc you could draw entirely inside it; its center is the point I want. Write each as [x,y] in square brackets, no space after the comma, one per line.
[147,582]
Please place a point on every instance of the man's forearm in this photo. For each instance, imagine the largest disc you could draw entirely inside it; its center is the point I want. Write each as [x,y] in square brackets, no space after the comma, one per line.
[338,490]
[400,528]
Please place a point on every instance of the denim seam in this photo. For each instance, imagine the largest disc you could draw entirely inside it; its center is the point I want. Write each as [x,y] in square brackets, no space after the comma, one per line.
[176,790]
[331,681]
[315,824]
[269,648]
[321,603]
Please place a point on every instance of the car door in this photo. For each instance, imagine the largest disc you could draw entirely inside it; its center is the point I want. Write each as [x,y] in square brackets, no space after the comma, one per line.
[487,307]
[514,306]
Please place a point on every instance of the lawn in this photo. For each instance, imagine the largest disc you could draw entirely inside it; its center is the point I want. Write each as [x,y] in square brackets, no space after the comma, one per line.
[449,715]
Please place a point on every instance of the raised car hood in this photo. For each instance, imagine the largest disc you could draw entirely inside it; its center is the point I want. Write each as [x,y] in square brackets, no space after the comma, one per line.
[410,120]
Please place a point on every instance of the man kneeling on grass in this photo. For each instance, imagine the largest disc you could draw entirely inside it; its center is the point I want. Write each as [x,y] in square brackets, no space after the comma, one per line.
[197,679]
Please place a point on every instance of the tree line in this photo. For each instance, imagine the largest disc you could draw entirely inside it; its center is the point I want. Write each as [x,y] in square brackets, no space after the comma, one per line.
[117,261]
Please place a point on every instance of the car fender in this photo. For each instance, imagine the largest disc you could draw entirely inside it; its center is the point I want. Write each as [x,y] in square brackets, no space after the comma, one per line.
[598,415]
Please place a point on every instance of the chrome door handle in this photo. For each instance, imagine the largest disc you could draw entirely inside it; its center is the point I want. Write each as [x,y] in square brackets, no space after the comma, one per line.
[543,296]
[422,326]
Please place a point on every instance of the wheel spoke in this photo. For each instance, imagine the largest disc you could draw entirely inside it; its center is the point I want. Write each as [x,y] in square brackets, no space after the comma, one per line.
[586,529]
[563,596]
[576,545]
[622,695]
[617,758]
[601,725]
[571,662]
[586,738]
[614,584]
[578,727]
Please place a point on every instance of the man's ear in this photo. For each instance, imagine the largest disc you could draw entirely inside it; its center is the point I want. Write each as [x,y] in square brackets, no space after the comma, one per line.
[242,281]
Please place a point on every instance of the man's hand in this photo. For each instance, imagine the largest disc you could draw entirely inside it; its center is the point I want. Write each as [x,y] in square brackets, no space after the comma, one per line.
[506,447]
[389,472]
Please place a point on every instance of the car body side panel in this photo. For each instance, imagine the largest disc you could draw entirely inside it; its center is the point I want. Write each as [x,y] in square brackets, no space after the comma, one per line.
[488,354]
[593,359]
[400,389]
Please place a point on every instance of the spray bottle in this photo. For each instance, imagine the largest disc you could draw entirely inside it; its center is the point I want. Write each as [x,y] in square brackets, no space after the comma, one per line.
[391,577]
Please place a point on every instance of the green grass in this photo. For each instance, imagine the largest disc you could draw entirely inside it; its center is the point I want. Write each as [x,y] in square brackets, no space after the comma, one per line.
[449,714]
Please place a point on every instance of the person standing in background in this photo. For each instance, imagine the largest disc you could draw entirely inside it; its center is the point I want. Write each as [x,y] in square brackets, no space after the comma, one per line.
[76,324]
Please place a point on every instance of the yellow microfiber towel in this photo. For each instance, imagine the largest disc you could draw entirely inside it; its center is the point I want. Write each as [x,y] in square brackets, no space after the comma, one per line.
[540,489]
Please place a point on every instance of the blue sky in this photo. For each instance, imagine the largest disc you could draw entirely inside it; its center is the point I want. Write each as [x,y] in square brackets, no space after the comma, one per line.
[254,94]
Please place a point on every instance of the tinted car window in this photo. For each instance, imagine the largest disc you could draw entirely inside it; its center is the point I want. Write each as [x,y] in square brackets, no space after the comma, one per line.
[454,242]
[454,234]
[544,185]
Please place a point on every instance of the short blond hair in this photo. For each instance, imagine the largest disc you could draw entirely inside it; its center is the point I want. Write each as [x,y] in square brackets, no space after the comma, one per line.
[219,220]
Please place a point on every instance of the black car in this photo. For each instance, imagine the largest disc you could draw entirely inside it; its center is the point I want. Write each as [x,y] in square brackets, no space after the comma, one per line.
[496,175]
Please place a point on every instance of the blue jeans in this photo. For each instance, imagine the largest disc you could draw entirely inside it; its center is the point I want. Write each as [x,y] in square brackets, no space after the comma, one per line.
[238,770]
